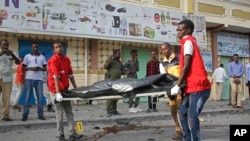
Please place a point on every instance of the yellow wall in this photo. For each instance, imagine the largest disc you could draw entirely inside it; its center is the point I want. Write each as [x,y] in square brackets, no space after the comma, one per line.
[76,51]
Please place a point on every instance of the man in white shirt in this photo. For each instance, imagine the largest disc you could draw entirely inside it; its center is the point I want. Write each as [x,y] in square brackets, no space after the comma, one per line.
[219,76]
[7,59]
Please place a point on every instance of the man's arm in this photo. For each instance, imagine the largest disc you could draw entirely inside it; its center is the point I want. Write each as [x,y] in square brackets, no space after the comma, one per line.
[72,80]
[230,70]
[137,65]
[241,70]
[56,84]
[186,67]
[107,63]
[17,60]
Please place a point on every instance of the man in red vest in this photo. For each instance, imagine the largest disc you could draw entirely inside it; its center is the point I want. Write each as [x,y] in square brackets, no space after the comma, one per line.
[198,86]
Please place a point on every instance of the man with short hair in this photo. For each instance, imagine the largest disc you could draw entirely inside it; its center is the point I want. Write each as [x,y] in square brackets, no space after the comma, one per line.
[170,64]
[59,74]
[115,69]
[198,87]
[236,71]
[6,76]
[131,67]
[152,69]
[248,78]
[34,64]
[219,76]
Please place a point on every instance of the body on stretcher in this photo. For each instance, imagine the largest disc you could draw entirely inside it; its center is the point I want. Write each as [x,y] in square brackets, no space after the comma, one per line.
[158,85]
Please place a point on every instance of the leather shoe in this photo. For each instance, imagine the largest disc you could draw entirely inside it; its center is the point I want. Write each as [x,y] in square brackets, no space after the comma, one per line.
[7,119]
[50,108]
[155,110]
[42,118]
[16,107]
[177,136]
[24,118]
[116,113]
[62,138]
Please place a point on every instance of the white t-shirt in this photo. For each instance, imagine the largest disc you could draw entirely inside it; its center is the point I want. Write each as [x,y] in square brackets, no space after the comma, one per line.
[219,74]
[34,61]
[188,48]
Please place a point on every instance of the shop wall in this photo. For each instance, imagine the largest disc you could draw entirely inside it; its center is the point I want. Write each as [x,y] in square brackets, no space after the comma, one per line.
[75,50]
[105,49]
[217,59]
[224,13]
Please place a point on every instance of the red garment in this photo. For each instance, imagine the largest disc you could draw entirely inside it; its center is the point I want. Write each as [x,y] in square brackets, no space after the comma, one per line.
[152,67]
[197,78]
[20,74]
[59,66]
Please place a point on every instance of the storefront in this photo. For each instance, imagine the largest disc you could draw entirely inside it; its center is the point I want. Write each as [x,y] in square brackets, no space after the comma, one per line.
[91,29]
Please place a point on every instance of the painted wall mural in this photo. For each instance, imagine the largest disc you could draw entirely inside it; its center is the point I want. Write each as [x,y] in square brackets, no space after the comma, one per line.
[97,18]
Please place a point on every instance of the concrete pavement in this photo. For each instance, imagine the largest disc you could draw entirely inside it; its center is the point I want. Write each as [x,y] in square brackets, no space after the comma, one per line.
[96,113]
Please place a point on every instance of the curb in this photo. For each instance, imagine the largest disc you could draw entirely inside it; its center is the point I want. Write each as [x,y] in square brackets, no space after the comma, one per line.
[121,120]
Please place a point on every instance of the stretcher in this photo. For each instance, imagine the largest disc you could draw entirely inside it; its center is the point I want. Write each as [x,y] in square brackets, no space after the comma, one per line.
[153,94]
[158,85]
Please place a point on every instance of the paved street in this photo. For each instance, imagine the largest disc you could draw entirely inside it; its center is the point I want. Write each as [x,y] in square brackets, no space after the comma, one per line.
[214,128]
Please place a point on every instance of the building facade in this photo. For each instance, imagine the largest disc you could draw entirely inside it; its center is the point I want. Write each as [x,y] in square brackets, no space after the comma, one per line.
[88,52]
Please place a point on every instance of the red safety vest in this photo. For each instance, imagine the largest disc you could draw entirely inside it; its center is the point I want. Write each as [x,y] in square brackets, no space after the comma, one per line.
[197,78]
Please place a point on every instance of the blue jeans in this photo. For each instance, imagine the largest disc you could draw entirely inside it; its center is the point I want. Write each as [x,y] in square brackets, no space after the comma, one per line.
[188,114]
[29,84]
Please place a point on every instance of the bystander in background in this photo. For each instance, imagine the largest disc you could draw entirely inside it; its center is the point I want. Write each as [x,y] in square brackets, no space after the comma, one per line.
[7,57]
[20,75]
[35,65]
[152,69]
[131,67]
[236,70]
[114,68]
[248,79]
[170,64]
[219,76]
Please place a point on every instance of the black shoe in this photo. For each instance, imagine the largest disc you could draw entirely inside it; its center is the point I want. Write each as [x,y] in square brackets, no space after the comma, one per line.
[62,138]
[24,118]
[109,8]
[49,108]
[74,136]
[155,110]
[42,118]
[7,119]
[120,10]
[116,113]
[109,114]
[149,111]
[177,136]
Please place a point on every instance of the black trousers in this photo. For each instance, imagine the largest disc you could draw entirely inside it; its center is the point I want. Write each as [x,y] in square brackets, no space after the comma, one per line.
[150,104]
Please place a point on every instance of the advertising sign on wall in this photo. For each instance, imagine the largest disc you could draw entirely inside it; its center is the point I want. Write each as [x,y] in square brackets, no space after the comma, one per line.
[207,59]
[231,43]
[98,19]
